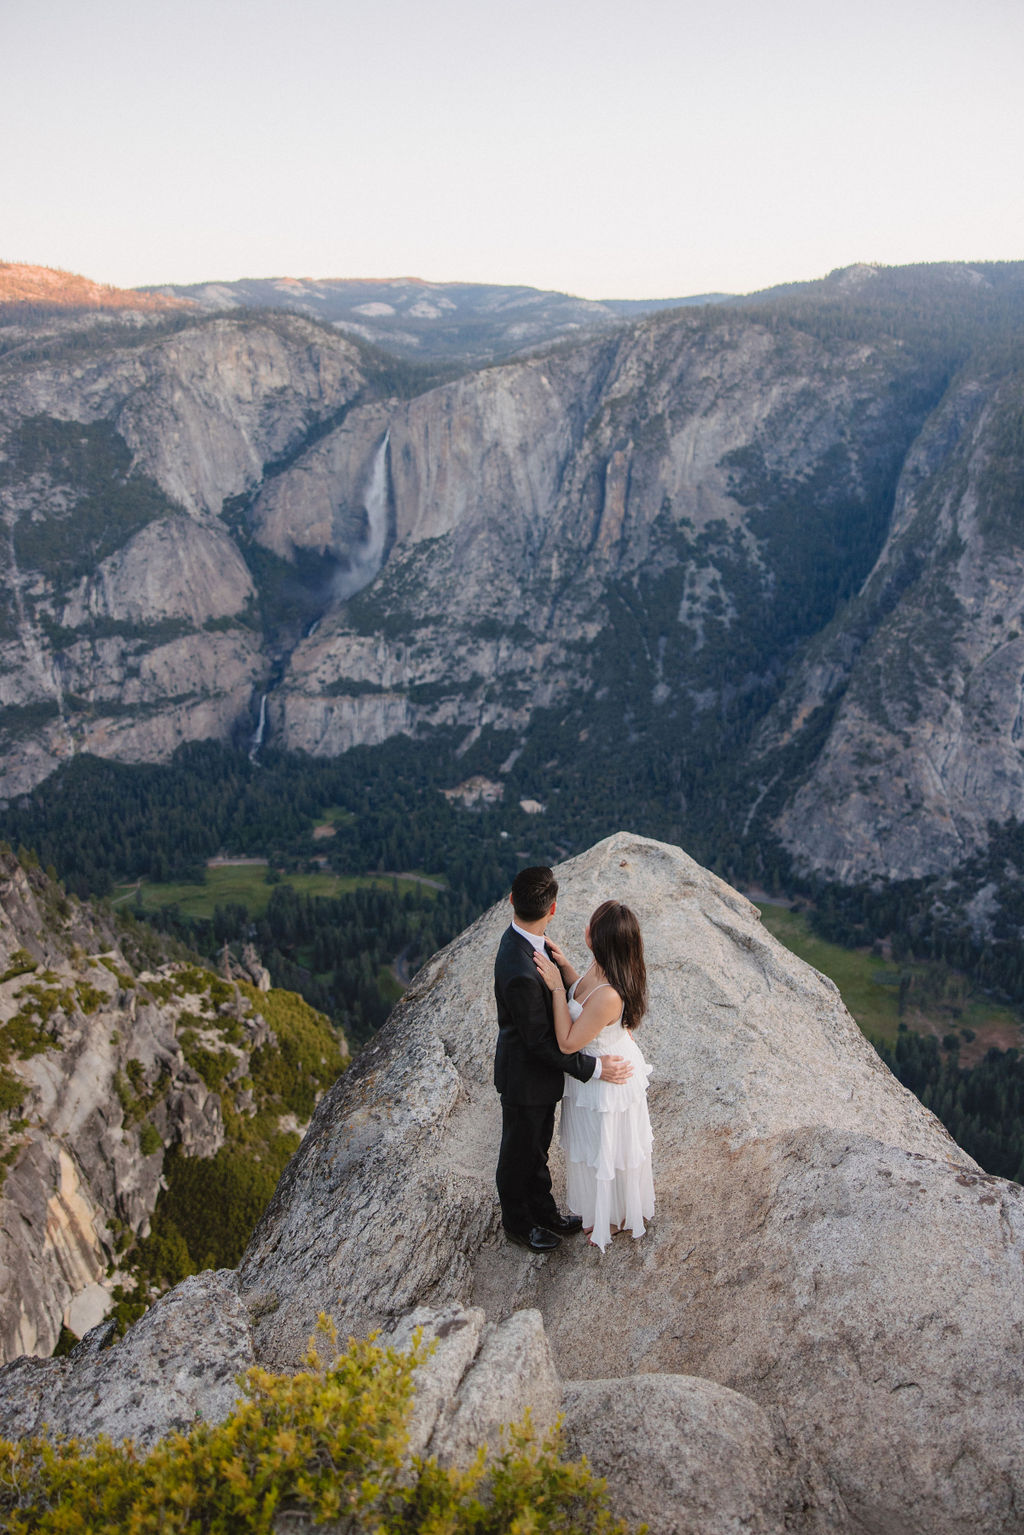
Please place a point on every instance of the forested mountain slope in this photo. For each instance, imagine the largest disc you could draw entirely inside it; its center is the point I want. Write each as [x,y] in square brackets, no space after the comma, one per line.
[753,570]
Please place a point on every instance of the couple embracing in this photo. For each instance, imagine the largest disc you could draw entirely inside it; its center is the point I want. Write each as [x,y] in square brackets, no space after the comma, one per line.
[562,1033]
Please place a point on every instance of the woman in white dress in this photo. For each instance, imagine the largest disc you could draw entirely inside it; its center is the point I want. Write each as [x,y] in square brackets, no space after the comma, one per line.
[605,1127]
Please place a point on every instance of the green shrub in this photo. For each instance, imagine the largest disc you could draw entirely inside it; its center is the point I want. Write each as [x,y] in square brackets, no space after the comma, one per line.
[43,1001]
[23,1036]
[66,1341]
[89,997]
[211,1066]
[306,1058]
[125,1097]
[149,1139]
[164,988]
[124,980]
[21,963]
[194,980]
[328,1443]
[12,1091]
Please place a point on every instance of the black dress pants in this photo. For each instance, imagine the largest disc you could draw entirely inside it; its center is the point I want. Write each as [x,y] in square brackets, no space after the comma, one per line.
[523,1179]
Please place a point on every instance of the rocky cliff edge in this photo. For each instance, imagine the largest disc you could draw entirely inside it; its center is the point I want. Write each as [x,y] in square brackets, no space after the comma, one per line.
[820,1330]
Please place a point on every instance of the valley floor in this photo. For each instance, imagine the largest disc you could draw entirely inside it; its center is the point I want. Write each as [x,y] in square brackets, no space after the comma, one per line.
[884,996]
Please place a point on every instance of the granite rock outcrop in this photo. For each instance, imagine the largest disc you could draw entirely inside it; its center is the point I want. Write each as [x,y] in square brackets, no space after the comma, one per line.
[177,1365]
[820,1329]
[820,1247]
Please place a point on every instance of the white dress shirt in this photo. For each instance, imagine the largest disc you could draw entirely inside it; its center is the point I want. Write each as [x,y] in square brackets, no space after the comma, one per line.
[537,940]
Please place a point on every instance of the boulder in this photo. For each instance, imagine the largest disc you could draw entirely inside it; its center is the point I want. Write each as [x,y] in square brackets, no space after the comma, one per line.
[683,1456]
[478,1377]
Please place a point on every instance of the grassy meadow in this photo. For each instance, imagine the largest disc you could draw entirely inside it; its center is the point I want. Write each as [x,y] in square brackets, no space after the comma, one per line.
[880,994]
[246,884]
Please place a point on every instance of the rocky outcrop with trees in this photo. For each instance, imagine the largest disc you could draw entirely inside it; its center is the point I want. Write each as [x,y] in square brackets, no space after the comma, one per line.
[147,1106]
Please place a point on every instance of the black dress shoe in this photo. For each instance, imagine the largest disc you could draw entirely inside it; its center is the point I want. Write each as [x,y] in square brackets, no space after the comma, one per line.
[565,1225]
[538,1239]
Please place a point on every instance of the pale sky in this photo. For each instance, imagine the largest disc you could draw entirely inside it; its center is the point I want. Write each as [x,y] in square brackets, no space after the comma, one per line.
[651,149]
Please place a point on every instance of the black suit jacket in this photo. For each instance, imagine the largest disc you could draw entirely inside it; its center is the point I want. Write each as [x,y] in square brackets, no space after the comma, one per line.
[528,1065]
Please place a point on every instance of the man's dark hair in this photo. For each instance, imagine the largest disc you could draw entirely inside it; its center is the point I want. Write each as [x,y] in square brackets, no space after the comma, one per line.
[533,890]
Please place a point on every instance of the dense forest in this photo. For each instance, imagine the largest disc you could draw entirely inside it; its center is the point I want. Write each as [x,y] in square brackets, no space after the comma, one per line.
[982,1108]
[100,823]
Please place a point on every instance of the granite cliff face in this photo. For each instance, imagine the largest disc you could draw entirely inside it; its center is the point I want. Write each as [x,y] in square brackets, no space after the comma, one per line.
[925,673]
[128,624]
[534,490]
[771,547]
[106,1067]
[819,1331]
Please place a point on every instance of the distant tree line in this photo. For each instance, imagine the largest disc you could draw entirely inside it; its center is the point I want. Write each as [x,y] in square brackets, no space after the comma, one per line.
[98,823]
[982,1106]
[345,954]
[928,918]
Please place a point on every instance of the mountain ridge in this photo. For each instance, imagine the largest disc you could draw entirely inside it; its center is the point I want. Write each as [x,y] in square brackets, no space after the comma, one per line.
[412,316]
[50,286]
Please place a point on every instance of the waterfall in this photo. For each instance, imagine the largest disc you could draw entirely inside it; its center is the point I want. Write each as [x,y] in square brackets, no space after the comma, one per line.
[366,560]
[261,726]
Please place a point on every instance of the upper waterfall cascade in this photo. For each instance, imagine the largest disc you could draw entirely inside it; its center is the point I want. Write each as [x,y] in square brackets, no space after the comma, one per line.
[366,560]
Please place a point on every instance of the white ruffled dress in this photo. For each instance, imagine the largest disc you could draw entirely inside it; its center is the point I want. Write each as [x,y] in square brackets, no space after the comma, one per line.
[606,1137]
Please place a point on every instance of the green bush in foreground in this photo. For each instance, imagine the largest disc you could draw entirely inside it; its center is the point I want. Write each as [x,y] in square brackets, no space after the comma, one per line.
[327,1443]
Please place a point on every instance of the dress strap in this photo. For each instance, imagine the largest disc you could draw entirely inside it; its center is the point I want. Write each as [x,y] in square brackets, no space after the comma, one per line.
[599,987]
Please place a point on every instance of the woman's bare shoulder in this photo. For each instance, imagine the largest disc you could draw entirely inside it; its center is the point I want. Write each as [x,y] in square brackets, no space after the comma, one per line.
[602,1001]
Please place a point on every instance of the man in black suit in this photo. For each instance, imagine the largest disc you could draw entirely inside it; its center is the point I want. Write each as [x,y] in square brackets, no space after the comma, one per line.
[529,1067]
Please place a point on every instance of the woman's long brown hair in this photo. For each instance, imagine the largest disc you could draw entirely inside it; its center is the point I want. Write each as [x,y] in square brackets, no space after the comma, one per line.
[618,947]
